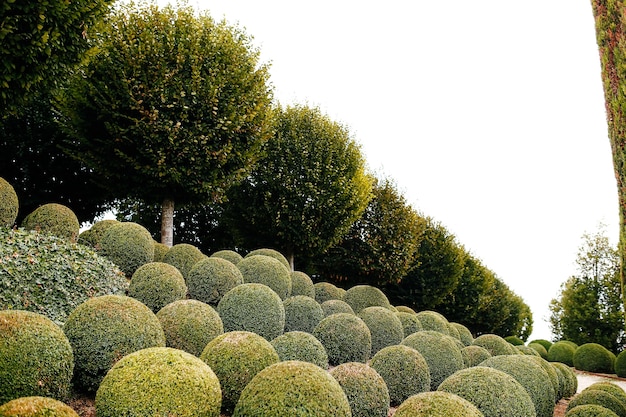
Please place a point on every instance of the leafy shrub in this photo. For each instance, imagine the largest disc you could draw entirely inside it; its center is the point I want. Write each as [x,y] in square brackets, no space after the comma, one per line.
[160,250]
[128,245]
[568,382]
[283,388]
[474,355]
[466,336]
[543,342]
[592,357]
[302,313]
[437,404]
[404,370]
[598,397]
[493,392]
[262,269]
[272,254]
[53,219]
[301,284]
[210,278]
[93,236]
[590,410]
[51,276]
[514,340]
[526,350]
[236,357]
[35,357]
[554,377]
[183,256]
[360,297]
[345,337]
[620,364]
[190,325]
[301,346]
[495,344]
[325,291]
[562,352]
[254,308]
[431,320]
[159,381]
[336,306]
[104,329]
[156,284]
[365,389]
[36,407]
[611,388]
[229,255]
[405,309]
[385,328]
[410,322]
[539,348]
[9,204]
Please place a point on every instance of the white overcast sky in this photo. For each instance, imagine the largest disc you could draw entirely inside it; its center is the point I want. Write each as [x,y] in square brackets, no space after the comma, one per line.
[489,115]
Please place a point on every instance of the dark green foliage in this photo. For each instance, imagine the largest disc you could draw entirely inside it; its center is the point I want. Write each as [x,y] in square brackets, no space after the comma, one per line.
[236,357]
[325,291]
[156,284]
[92,236]
[229,255]
[431,320]
[9,204]
[563,352]
[263,269]
[104,329]
[128,245]
[160,250]
[254,308]
[386,329]
[336,306]
[345,337]
[466,336]
[514,340]
[590,410]
[53,219]
[190,325]
[410,322]
[495,344]
[404,370]
[210,278]
[159,381]
[365,389]
[183,256]
[592,357]
[493,392]
[539,348]
[35,357]
[301,346]
[437,404]
[272,253]
[36,407]
[301,284]
[302,313]
[620,364]
[293,388]
[568,382]
[598,397]
[474,355]
[363,296]
[50,275]
[611,388]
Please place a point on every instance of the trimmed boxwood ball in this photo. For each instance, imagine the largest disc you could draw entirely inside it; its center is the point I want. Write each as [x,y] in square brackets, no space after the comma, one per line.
[300,346]
[156,284]
[9,204]
[539,348]
[437,404]
[593,357]
[474,355]
[159,381]
[552,374]
[36,407]
[253,307]
[620,364]
[183,256]
[325,291]
[360,297]
[262,269]
[385,328]
[493,392]
[160,250]
[404,370]
[598,397]
[190,325]
[526,350]
[431,320]
[53,219]
[302,313]
[236,357]
[210,278]
[272,253]
[563,352]
[104,329]
[496,345]
[93,236]
[128,245]
[590,410]
[405,309]
[35,357]
[365,389]
[410,322]
[229,255]
[293,388]
[514,340]
[345,337]
[611,388]
[466,336]
[336,306]
[568,382]
[543,342]
[301,284]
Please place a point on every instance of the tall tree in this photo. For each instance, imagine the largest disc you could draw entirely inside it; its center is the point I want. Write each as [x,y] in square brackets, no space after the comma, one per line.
[174,107]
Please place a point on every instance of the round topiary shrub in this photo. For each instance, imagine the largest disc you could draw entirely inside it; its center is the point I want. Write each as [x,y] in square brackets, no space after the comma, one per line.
[525,350]
[36,407]
[190,325]
[404,370]
[93,236]
[301,284]
[543,342]
[336,306]
[301,346]
[345,337]
[104,329]
[540,349]
[302,313]
[35,357]
[592,357]
[229,255]
[236,357]
[9,204]
[474,355]
[562,352]
[385,328]
[466,336]
[441,352]
[262,269]
[365,389]
[410,322]
[611,388]
[405,309]
[620,364]
[210,278]
[253,307]
[272,254]
[590,410]
[360,297]
[431,320]
[495,344]
[568,382]
[325,291]
[493,392]
[128,245]
[53,219]
[293,388]
[159,381]
[514,340]
[160,250]
[156,284]
[554,377]
[437,404]
[598,397]
[183,256]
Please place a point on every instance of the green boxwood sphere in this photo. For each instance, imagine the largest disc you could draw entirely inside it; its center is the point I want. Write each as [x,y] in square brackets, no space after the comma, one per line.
[593,357]
[437,404]
[210,278]
[190,325]
[301,284]
[431,320]
[336,306]
[9,204]
[128,245]
[293,388]
[563,352]
[93,236]
[236,357]
[104,329]
[590,410]
[345,337]
[302,313]
[539,348]
[620,364]
[183,256]
[159,381]
[156,284]
[229,255]
[598,397]
[404,370]
[466,336]
[410,322]
[325,291]
[360,297]
[253,307]
[526,350]
[36,407]
[262,269]
[53,219]
[568,382]
[543,342]
[496,345]
[405,309]
[386,329]
[547,366]
[35,357]
[365,389]
[301,346]
[514,340]
[160,250]
[272,253]
[611,388]
[474,355]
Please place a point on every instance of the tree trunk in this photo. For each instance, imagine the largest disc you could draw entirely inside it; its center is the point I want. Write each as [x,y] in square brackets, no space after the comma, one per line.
[167,222]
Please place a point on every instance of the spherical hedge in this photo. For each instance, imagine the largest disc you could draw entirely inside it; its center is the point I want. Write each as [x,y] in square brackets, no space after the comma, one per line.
[190,325]
[253,307]
[301,346]
[405,309]
[345,337]
[301,284]
[466,336]
[210,278]
[431,320]
[437,404]
[495,344]
[410,322]
[53,219]
[293,388]
[514,340]
[493,392]
[160,250]
[236,357]
[9,204]
[325,291]
[568,382]
[404,370]
[365,389]
[272,254]
[474,355]
[385,328]
[620,364]
[104,329]
[35,357]
[552,374]
[562,352]
[336,306]
[128,245]
[590,410]
[183,256]
[611,388]
[36,407]
[262,269]
[156,284]
[526,350]
[229,255]
[302,313]
[93,236]
[598,397]
[592,357]
[360,297]
[540,349]
[159,381]
[543,342]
